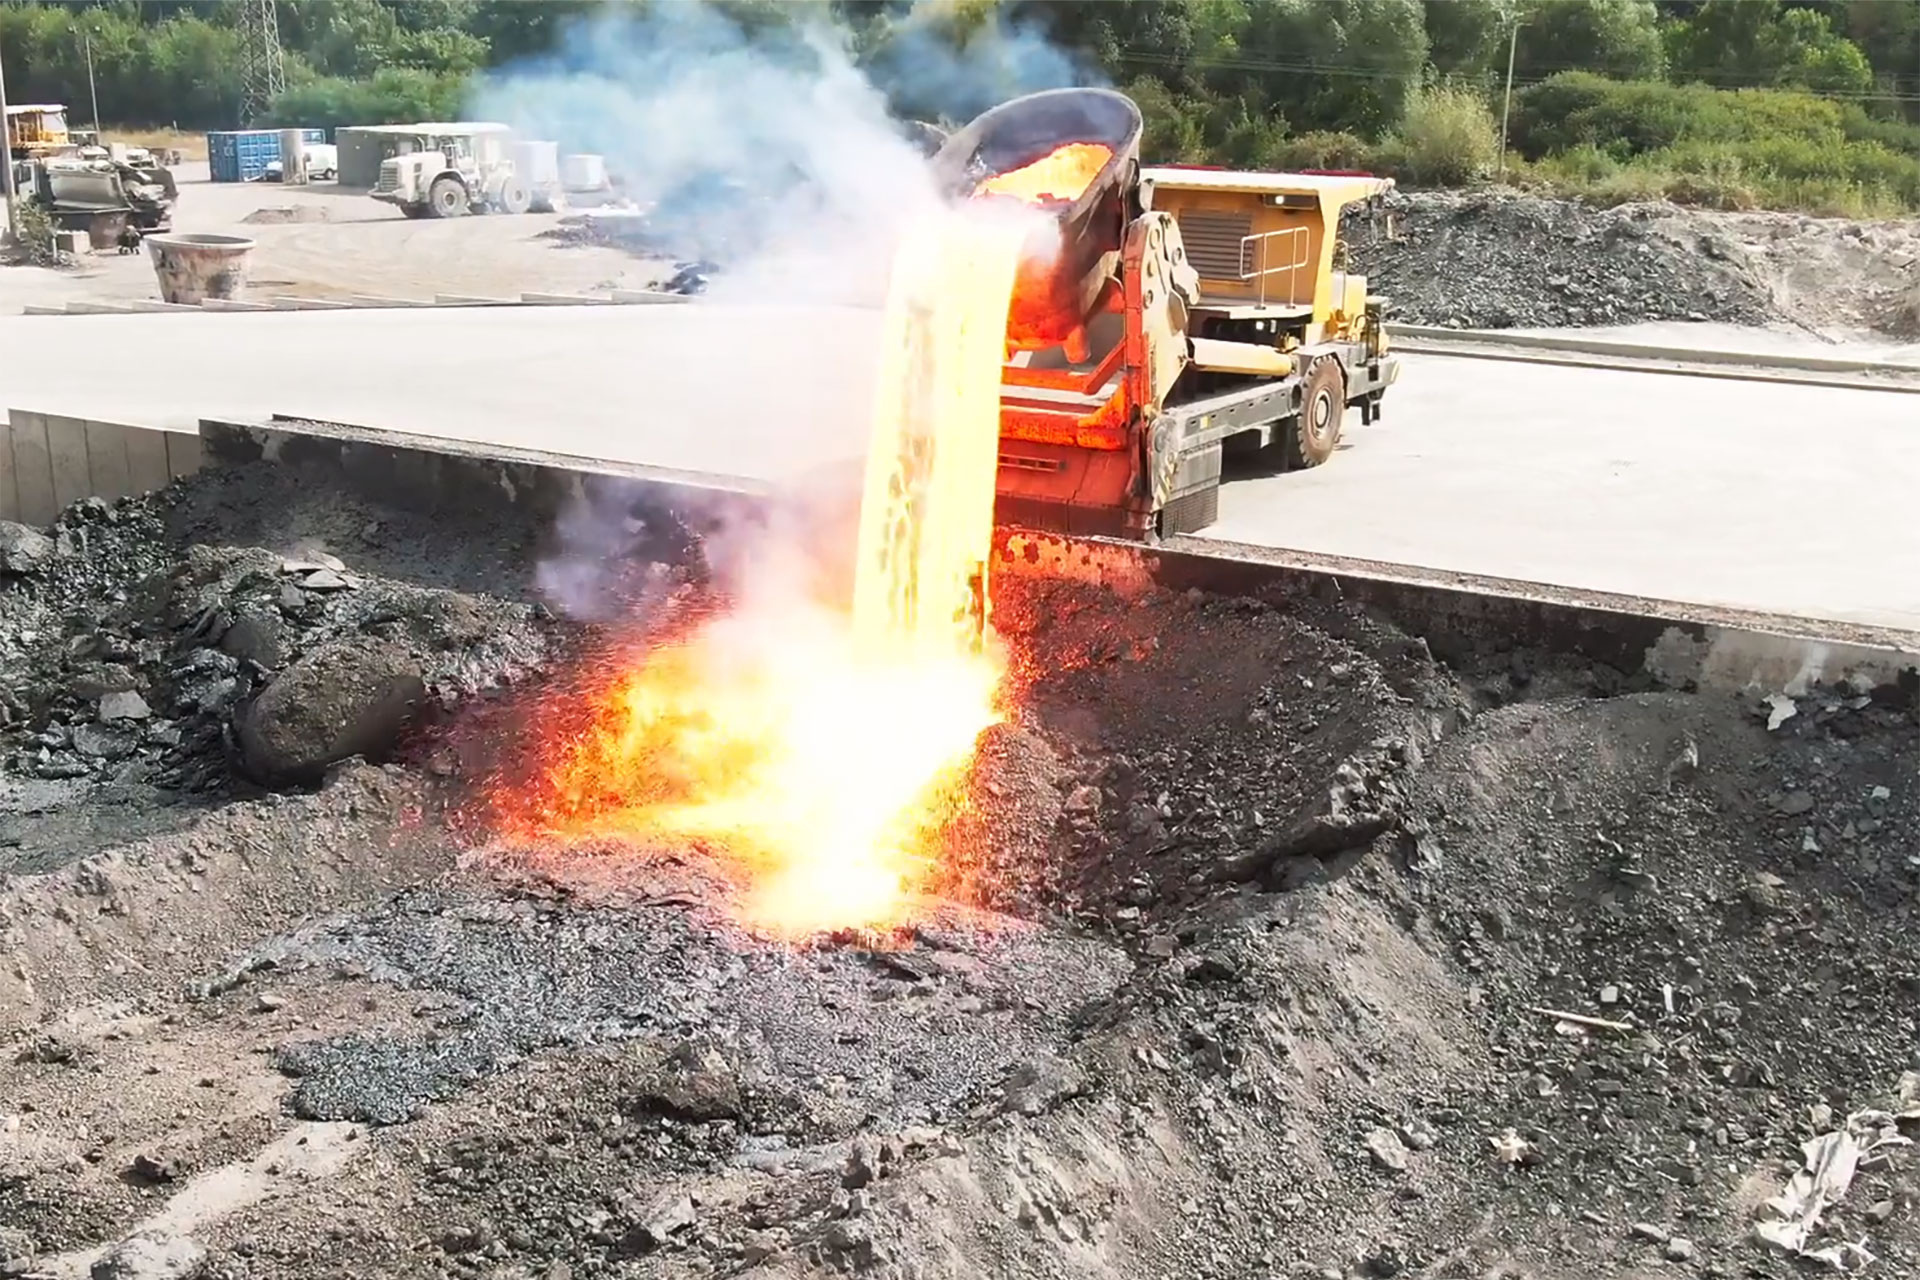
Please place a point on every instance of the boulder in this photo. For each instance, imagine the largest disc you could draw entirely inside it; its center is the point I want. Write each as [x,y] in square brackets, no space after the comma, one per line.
[257,636]
[23,549]
[348,698]
[124,704]
[16,1253]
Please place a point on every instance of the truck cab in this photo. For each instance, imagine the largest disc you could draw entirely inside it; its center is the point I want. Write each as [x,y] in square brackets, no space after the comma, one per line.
[37,130]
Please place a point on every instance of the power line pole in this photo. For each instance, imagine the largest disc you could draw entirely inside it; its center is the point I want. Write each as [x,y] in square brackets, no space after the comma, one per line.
[1506,107]
[263,70]
[6,154]
[86,39]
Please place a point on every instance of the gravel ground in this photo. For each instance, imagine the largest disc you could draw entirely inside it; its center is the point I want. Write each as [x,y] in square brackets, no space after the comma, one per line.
[324,241]
[1500,260]
[1286,950]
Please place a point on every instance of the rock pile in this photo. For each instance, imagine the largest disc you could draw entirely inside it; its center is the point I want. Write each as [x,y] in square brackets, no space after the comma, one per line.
[126,656]
[1329,960]
[1496,260]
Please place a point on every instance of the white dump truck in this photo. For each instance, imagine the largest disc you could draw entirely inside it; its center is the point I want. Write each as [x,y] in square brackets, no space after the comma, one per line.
[449,170]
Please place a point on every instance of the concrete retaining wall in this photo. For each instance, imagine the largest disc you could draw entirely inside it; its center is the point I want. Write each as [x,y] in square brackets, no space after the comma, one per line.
[1670,644]
[48,460]
[1673,644]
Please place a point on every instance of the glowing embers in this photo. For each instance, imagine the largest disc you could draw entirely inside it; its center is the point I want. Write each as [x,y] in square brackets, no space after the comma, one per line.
[1059,177]
[818,754]
[818,775]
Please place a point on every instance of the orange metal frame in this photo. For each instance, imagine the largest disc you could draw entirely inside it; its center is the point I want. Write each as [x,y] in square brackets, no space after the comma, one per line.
[1042,421]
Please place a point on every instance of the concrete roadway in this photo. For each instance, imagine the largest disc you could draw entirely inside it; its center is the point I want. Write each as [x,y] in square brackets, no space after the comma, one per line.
[1777,498]
[1785,499]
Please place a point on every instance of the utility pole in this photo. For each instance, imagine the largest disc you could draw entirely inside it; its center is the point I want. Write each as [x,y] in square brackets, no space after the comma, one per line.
[86,39]
[6,153]
[262,68]
[1506,107]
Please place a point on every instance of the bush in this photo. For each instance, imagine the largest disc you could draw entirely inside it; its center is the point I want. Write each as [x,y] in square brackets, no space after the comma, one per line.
[396,95]
[1252,142]
[33,237]
[1323,150]
[1627,118]
[1172,134]
[1585,163]
[1448,137]
[1730,149]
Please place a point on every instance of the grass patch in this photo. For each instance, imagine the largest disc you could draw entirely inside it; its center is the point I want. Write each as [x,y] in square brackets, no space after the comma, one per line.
[191,146]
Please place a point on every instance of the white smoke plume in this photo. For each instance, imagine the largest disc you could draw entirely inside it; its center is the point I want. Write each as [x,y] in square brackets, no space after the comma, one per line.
[693,109]
[932,71]
[683,100]
[774,140]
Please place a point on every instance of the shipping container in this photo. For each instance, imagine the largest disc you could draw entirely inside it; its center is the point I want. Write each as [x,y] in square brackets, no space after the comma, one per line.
[241,155]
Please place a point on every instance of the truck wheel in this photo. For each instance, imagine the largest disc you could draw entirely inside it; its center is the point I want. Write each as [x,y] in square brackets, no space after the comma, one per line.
[1310,438]
[447,197]
[514,197]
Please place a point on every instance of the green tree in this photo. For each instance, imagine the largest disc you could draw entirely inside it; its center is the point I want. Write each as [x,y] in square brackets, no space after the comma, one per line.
[1888,32]
[434,15]
[339,37]
[174,70]
[1131,38]
[1173,132]
[1755,43]
[192,78]
[440,49]
[1619,38]
[1468,38]
[392,96]
[519,29]
[1321,64]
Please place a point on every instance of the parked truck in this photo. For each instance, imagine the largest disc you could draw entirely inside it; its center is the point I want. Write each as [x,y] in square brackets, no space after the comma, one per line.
[1182,314]
[36,130]
[116,202]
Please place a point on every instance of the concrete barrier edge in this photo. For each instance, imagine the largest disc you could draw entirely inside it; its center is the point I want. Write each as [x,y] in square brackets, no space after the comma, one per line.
[1672,645]
[1619,350]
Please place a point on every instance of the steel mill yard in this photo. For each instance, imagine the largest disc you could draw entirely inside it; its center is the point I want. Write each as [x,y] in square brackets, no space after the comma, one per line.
[1089,718]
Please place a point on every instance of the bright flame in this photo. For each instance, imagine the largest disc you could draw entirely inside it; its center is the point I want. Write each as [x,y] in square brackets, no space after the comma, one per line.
[821,754]
[1059,177]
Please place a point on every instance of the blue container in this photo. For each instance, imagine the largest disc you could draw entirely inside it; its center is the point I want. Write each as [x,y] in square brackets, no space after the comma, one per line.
[241,155]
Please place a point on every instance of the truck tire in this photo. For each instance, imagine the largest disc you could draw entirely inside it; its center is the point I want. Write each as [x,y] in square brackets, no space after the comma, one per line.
[447,197]
[1312,437]
[514,197]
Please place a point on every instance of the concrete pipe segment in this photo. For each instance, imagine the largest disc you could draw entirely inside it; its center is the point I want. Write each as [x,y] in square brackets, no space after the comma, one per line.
[194,267]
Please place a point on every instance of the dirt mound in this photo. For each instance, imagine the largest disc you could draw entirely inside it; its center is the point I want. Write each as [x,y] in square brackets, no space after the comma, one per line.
[1500,260]
[1828,274]
[1293,951]
[280,215]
